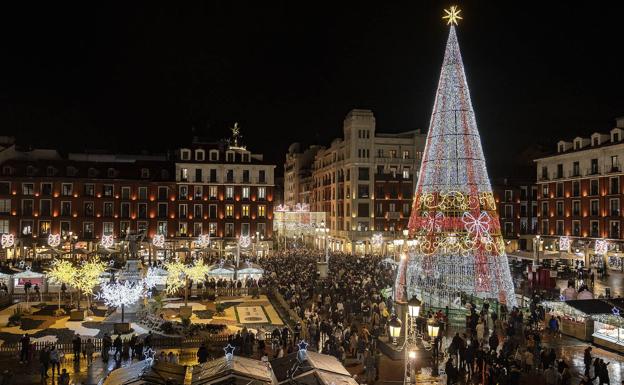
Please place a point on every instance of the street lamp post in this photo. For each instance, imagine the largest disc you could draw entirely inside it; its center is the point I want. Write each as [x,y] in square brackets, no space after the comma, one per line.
[412,337]
[538,243]
[434,329]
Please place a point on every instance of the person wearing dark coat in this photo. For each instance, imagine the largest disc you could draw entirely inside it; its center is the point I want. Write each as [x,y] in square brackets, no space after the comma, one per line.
[202,354]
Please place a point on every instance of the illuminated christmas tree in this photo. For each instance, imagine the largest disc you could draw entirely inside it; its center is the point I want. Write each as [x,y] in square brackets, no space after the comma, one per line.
[457,245]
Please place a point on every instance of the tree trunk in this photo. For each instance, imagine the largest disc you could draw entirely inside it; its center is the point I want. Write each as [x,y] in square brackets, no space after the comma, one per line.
[185,291]
[59,302]
[122,313]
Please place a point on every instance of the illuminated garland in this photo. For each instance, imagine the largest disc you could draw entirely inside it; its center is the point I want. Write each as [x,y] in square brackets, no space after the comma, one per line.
[457,245]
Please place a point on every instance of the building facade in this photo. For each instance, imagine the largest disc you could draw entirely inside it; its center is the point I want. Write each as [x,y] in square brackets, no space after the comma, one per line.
[298,179]
[516,200]
[207,189]
[580,192]
[364,182]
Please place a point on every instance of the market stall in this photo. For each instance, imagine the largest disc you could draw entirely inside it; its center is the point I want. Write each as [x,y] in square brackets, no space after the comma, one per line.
[575,317]
[609,327]
[33,277]
[221,271]
[249,270]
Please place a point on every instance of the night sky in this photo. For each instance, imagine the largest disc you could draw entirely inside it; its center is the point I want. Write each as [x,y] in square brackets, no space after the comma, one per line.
[131,76]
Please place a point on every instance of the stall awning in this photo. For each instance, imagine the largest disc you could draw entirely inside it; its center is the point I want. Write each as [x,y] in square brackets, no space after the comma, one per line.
[160,373]
[236,370]
[26,274]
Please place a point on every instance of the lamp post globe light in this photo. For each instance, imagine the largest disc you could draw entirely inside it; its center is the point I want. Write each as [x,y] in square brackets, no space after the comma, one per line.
[395,328]
[433,328]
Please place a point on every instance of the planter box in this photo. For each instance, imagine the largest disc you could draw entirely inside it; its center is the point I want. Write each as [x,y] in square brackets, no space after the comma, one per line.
[186,311]
[77,315]
[122,328]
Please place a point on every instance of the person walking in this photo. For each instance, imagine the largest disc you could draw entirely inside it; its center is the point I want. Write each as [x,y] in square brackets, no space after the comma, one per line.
[64,378]
[89,350]
[587,359]
[118,345]
[76,345]
[55,360]
[202,354]
[44,359]
[25,347]
[107,343]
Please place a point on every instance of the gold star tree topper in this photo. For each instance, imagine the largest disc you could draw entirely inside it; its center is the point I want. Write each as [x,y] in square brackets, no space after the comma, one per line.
[452,15]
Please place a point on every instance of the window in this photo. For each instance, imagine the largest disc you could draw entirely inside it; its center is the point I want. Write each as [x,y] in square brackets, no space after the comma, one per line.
[212,229]
[245,176]
[229,156]
[245,211]
[560,171]
[545,191]
[594,166]
[363,191]
[46,189]
[615,166]
[544,172]
[65,209]
[182,229]
[393,153]
[559,226]
[5,188]
[108,228]
[111,172]
[88,230]
[508,211]
[508,195]
[125,193]
[125,210]
[213,175]
[261,193]
[145,173]
[65,228]
[143,193]
[44,228]
[593,207]
[614,185]
[28,189]
[261,211]
[198,175]
[245,229]
[50,171]
[89,209]
[406,209]
[107,190]
[89,190]
[5,206]
[229,211]
[212,192]
[261,176]
[26,227]
[576,188]
[614,207]
[183,192]
[545,226]
[212,211]
[523,210]
[559,208]
[544,209]
[66,189]
[229,192]
[214,155]
[161,228]
[576,228]
[380,153]
[185,154]
[614,229]
[162,210]
[576,208]
[142,211]
[163,193]
[197,211]
[229,176]
[363,173]
[229,230]
[261,229]
[406,172]
[141,226]
[184,174]
[363,210]
[405,154]
[183,211]
[198,192]
[200,155]
[197,228]
[594,229]
[593,187]
[576,169]
[4,226]
[245,192]
[124,226]
[559,190]
[108,209]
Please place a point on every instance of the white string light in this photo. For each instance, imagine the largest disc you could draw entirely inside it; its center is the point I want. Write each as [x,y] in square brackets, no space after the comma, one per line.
[107,241]
[7,240]
[601,246]
[158,241]
[244,241]
[54,240]
[564,244]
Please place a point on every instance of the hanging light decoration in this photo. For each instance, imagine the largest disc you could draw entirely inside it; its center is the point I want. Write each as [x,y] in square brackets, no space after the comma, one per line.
[601,246]
[107,241]
[54,240]
[203,240]
[158,240]
[564,244]
[244,241]
[7,240]
[377,239]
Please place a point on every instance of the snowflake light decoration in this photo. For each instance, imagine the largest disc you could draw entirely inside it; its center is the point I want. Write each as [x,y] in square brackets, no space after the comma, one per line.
[564,244]
[282,208]
[203,240]
[377,239]
[302,207]
[107,241]
[54,240]
[7,240]
[477,227]
[615,311]
[601,247]
[159,240]
[244,241]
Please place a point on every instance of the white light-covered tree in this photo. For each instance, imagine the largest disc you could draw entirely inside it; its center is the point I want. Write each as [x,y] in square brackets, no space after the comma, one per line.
[179,274]
[87,278]
[116,294]
[62,272]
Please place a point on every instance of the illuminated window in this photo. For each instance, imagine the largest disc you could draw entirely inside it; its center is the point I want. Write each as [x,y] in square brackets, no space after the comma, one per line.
[245,211]
[261,192]
[229,192]
[245,193]
[261,211]
[229,211]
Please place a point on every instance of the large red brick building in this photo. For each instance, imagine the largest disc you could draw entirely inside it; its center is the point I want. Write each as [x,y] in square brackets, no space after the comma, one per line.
[208,188]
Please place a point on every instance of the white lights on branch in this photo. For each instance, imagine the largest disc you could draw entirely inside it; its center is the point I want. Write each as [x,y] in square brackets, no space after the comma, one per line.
[159,240]
[377,239]
[244,241]
[564,244]
[601,247]
[204,240]
[7,240]
[107,241]
[54,240]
